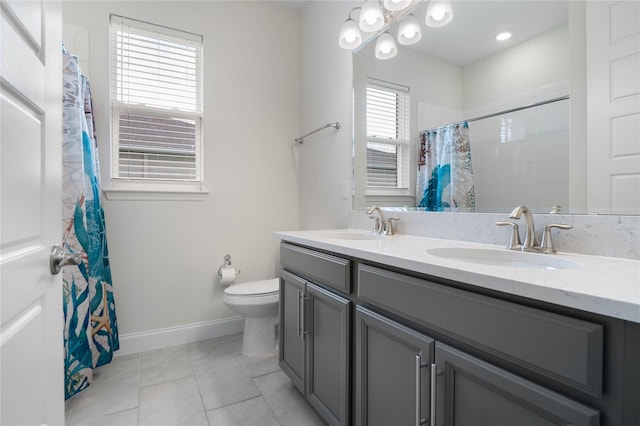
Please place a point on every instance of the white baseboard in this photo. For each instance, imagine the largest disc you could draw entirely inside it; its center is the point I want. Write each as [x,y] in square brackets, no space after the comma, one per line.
[160,338]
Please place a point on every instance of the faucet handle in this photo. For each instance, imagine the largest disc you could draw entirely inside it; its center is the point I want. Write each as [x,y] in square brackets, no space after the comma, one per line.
[514,243]
[388,227]
[376,224]
[546,246]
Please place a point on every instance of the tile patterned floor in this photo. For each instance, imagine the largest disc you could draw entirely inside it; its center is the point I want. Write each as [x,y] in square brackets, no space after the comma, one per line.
[201,383]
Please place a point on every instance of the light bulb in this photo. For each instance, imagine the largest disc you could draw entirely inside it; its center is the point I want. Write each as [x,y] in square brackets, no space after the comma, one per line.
[396,5]
[439,13]
[503,36]
[350,37]
[386,47]
[409,31]
[371,17]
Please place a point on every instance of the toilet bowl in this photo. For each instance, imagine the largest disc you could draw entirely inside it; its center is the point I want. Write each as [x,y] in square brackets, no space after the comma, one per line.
[258,302]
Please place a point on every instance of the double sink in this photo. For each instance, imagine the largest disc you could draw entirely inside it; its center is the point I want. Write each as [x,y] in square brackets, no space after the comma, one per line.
[481,256]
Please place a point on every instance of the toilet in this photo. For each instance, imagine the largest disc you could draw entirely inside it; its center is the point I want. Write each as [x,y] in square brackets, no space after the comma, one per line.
[258,302]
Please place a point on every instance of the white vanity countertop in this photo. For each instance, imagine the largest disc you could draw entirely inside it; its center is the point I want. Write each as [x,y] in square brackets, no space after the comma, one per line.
[603,285]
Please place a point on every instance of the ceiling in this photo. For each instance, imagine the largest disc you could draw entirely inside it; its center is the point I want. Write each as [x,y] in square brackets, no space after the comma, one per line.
[471,34]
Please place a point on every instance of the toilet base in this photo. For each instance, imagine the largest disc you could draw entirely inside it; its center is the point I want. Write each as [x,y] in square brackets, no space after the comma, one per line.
[259,337]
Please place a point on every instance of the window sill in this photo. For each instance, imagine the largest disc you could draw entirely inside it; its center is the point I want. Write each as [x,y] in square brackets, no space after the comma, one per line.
[145,191]
[388,193]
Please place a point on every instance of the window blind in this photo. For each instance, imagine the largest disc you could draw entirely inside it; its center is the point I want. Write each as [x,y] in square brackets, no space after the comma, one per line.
[387,119]
[156,100]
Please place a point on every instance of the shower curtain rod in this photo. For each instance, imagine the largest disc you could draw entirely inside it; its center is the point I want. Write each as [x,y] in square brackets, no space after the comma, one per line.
[335,125]
[495,114]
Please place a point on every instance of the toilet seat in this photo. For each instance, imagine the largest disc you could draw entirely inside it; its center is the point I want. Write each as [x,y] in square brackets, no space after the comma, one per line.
[254,288]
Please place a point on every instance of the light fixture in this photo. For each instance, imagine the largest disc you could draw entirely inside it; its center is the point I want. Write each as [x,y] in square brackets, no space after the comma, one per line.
[503,36]
[371,16]
[439,13]
[386,46]
[379,16]
[396,5]
[350,36]
[409,31]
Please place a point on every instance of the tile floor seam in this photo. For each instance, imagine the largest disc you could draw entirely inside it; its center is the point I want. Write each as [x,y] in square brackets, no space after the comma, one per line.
[273,413]
[218,349]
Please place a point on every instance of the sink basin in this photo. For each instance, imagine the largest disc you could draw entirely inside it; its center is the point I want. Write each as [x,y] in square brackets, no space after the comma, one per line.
[351,235]
[512,259]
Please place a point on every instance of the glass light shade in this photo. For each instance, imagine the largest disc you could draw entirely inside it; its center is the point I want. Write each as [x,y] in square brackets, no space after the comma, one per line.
[350,36]
[439,13]
[371,17]
[409,31]
[396,5]
[386,47]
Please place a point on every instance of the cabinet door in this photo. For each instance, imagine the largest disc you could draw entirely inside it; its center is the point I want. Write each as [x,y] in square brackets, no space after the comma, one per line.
[471,392]
[291,335]
[392,372]
[328,354]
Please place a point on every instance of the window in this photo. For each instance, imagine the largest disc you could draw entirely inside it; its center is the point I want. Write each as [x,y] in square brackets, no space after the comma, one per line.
[387,138]
[156,102]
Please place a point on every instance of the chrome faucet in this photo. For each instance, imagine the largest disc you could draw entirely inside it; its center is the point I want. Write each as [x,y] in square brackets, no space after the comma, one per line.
[379,224]
[530,243]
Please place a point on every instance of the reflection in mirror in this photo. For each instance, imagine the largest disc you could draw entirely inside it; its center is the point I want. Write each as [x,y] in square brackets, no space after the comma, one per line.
[460,72]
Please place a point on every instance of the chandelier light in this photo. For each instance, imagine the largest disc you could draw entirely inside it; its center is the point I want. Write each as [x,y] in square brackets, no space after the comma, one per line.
[371,16]
[439,13]
[386,47]
[377,16]
[350,36]
[396,5]
[409,31]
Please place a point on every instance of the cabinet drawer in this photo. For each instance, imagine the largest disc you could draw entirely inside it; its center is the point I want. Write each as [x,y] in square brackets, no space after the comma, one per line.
[562,348]
[318,267]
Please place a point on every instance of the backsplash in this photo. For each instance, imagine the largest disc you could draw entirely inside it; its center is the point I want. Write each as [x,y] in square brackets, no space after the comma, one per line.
[598,235]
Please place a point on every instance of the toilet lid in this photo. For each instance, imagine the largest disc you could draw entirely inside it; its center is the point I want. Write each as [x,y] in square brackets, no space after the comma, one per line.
[254,288]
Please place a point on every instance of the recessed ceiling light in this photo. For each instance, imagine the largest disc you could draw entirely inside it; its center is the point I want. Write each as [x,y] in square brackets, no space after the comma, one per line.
[503,36]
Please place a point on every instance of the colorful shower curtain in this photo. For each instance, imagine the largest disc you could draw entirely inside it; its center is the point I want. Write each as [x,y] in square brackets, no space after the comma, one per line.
[445,174]
[91,330]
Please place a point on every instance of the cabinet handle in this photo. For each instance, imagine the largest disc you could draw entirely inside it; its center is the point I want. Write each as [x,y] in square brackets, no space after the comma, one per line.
[299,322]
[304,318]
[434,372]
[418,388]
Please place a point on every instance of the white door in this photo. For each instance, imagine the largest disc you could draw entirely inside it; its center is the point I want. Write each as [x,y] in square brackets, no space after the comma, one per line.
[613,107]
[31,342]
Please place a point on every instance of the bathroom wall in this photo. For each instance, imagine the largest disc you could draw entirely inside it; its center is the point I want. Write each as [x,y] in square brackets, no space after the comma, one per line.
[538,62]
[165,254]
[325,159]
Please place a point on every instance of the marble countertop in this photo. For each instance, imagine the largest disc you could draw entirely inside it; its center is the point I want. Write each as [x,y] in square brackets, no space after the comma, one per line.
[603,285]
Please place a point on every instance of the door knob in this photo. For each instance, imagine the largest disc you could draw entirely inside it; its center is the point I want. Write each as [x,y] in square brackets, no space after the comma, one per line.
[59,258]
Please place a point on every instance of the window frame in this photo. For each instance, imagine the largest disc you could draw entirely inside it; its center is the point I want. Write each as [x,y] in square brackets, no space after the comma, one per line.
[402,143]
[123,188]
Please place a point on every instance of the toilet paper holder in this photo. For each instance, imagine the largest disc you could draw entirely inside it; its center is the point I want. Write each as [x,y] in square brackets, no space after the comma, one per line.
[226,264]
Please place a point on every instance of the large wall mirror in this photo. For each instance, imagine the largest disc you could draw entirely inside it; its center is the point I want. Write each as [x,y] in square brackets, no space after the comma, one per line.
[536,156]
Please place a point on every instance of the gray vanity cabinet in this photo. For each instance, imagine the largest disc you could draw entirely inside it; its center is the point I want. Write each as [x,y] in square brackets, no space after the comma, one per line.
[392,372]
[315,335]
[291,335]
[471,392]
[328,373]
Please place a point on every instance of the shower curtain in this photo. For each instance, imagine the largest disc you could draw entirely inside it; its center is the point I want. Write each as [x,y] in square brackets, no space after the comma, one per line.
[445,173]
[90,327]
